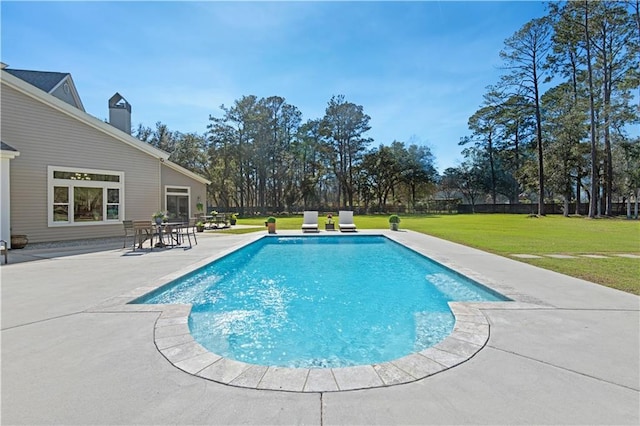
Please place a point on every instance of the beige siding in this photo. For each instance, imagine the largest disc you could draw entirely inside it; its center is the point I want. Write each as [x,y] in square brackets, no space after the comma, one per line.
[47,137]
[64,96]
[198,190]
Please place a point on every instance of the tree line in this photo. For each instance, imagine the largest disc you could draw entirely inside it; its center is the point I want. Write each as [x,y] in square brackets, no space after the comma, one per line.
[553,128]
[261,158]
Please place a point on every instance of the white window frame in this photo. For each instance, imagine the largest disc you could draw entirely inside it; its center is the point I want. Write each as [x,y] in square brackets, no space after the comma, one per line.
[167,192]
[71,184]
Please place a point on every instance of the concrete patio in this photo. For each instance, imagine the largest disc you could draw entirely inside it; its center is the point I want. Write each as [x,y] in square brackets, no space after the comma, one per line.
[567,352]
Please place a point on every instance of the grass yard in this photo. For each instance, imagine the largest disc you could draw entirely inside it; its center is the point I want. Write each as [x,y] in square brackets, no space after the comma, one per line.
[519,234]
[506,235]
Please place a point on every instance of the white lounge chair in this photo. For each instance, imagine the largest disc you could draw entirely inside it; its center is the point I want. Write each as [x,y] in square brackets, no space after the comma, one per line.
[345,221]
[310,221]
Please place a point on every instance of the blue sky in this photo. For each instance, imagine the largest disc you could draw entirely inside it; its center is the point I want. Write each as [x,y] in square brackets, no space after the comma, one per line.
[419,69]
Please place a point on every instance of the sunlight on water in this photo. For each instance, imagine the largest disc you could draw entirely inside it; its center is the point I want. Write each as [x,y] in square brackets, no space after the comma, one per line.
[319,302]
[430,327]
[456,289]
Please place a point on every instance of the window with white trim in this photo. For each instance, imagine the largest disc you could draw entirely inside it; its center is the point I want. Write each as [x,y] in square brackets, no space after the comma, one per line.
[84,196]
[177,200]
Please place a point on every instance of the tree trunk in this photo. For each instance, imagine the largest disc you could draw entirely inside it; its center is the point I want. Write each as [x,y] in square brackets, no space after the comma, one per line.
[540,152]
[578,186]
[593,201]
[608,172]
[494,194]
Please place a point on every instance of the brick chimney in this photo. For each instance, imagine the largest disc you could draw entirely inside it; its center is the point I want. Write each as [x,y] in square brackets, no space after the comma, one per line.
[120,113]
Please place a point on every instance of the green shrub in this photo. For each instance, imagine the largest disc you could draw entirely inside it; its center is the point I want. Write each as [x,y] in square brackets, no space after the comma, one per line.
[394,218]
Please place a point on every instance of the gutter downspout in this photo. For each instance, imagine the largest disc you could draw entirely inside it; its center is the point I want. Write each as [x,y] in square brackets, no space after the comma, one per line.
[160,184]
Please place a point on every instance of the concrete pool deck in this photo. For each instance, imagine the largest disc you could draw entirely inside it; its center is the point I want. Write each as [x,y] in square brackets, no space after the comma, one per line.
[569,353]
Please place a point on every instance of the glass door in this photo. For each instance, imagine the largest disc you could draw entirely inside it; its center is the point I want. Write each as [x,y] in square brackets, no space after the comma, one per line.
[178,204]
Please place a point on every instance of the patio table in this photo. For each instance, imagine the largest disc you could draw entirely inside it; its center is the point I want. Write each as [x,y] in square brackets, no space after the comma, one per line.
[166,228]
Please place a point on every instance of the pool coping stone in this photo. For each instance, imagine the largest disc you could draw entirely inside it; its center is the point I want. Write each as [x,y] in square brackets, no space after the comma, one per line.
[174,341]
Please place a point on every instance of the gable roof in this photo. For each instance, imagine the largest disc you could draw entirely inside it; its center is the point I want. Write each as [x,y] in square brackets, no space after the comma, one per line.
[77,114]
[7,151]
[49,82]
[6,147]
[43,80]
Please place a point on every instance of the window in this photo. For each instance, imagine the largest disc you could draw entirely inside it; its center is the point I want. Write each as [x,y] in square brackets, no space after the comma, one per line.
[87,204]
[60,204]
[177,202]
[83,196]
[113,204]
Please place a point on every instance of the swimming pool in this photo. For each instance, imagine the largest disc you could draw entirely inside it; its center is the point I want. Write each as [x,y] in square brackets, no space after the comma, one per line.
[320,301]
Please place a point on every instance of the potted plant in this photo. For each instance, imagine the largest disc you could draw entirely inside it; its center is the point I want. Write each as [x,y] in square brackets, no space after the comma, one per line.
[199,207]
[233,218]
[200,226]
[18,241]
[394,220]
[271,224]
[329,225]
[159,217]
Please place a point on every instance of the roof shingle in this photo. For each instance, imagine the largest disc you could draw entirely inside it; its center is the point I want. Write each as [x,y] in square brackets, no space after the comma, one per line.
[43,80]
[6,147]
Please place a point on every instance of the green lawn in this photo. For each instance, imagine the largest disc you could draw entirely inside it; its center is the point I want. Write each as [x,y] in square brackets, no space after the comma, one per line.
[505,235]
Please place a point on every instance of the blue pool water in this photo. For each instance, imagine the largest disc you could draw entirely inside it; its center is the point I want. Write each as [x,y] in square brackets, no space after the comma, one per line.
[320,301]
